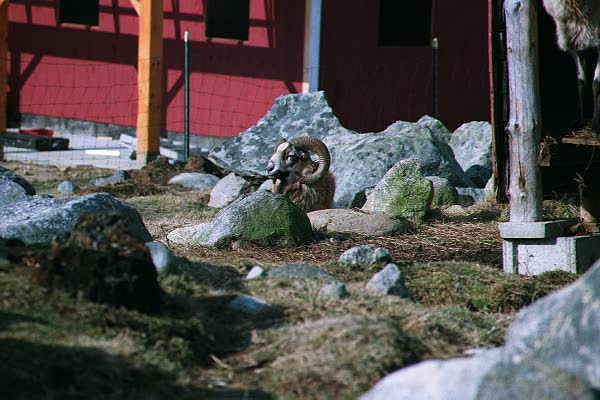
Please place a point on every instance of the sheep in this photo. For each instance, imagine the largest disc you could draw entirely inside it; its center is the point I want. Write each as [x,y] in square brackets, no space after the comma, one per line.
[307,183]
[577,29]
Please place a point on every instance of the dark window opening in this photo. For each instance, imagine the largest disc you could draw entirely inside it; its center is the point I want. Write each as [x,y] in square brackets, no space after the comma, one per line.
[405,22]
[227,19]
[82,12]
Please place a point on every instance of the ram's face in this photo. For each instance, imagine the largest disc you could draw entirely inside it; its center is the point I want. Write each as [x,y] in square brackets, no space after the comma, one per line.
[284,160]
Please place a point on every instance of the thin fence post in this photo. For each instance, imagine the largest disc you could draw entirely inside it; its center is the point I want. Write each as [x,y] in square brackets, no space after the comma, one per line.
[435,94]
[186,98]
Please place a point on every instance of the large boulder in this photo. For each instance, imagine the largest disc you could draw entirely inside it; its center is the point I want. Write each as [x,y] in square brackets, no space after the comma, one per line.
[561,330]
[455,379]
[472,147]
[262,217]
[402,192]
[551,351]
[37,220]
[359,161]
[247,154]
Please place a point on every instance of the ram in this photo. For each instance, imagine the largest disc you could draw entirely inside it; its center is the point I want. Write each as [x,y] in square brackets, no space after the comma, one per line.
[577,29]
[309,184]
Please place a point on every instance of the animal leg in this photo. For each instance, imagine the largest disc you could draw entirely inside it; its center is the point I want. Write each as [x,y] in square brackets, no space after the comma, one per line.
[581,79]
[596,93]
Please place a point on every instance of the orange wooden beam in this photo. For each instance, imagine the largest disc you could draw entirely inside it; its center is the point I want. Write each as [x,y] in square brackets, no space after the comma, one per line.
[150,69]
[3,69]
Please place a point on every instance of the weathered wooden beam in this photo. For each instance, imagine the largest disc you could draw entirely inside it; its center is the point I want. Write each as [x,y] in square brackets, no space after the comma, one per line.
[150,71]
[525,120]
[136,5]
[3,69]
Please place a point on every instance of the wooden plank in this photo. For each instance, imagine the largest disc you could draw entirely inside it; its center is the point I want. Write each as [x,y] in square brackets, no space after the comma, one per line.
[525,120]
[3,69]
[581,141]
[150,71]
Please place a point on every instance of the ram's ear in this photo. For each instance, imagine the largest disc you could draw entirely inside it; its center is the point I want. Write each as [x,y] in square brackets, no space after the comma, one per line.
[279,142]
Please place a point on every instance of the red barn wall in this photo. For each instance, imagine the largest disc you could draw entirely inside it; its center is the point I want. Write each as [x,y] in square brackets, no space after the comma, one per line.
[76,72]
[370,87]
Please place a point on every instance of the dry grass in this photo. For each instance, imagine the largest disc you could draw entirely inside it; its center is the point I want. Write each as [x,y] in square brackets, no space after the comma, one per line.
[304,348]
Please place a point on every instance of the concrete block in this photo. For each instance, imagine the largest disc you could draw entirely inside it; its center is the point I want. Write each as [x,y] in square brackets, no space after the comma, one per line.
[535,256]
[535,230]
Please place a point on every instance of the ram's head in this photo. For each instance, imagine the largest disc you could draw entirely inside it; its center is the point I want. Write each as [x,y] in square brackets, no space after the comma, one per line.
[292,157]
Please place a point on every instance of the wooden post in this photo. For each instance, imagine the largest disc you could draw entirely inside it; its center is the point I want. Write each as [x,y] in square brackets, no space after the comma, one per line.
[150,68]
[524,125]
[3,70]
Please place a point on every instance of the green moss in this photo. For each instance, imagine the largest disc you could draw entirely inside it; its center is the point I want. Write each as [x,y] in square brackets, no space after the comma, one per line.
[411,199]
[403,192]
[288,225]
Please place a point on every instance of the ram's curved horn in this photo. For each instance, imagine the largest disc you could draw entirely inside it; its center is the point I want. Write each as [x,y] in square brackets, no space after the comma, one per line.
[314,146]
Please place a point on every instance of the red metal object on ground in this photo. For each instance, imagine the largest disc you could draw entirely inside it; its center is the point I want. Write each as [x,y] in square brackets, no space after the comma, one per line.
[37,132]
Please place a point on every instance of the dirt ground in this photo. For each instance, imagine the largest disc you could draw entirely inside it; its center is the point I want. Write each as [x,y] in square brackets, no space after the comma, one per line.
[304,348]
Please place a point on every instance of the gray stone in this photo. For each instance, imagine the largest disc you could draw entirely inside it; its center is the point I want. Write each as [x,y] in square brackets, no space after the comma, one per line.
[194,180]
[300,271]
[402,192]
[439,131]
[477,194]
[551,351]
[364,255]
[262,217]
[359,161]
[8,175]
[455,379]
[444,193]
[343,220]
[249,305]
[227,190]
[11,192]
[561,330]
[67,187]
[332,291]
[266,185]
[256,272]
[472,146]
[39,220]
[163,260]
[112,179]
[530,379]
[388,281]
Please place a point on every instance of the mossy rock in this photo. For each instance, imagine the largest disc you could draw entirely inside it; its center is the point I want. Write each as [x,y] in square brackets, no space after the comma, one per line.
[261,217]
[402,192]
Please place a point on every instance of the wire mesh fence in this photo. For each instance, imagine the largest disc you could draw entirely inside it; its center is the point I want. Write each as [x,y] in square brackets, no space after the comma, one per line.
[69,113]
